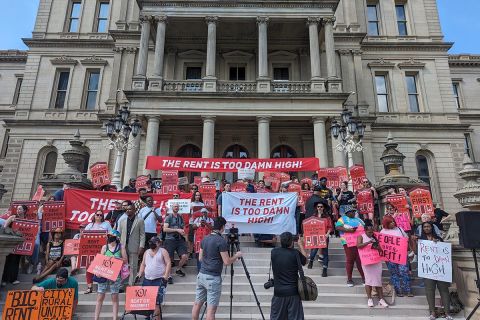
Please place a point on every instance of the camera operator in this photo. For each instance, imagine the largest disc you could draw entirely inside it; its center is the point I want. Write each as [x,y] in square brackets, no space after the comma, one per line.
[213,255]
[175,239]
[286,302]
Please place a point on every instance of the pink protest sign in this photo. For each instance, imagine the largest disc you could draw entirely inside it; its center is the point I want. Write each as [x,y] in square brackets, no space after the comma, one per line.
[394,249]
[403,221]
[369,255]
[351,237]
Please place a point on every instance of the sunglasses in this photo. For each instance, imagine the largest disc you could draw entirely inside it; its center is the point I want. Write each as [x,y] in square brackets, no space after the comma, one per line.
[320,207]
[99,214]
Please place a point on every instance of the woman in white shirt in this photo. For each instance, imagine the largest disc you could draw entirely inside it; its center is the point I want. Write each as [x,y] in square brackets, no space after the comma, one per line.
[98,223]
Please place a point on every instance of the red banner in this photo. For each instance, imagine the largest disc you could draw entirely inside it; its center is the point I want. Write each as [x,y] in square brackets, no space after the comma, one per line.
[140,298]
[365,202]
[357,174]
[105,267]
[71,247]
[53,215]
[29,230]
[91,242]
[31,211]
[421,202]
[314,230]
[82,204]
[100,174]
[231,165]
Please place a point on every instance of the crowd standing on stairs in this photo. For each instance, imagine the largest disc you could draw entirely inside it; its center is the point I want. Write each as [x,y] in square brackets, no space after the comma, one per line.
[149,241]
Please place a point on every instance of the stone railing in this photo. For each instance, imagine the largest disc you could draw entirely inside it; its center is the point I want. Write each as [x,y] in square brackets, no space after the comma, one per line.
[237,86]
[183,86]
[291,87]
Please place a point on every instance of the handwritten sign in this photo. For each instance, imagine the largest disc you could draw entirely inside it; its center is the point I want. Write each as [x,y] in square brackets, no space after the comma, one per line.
[182,181]
[71,247]
[29,230]
[39,305]
[435,260]
[314,230]
[403,221]
[100,174]
[91,242]
[246,174]
[369,255]
[183,205]
[421,202]
[394,249]
[139,298]
[106,267]
[53,215]
[351,237]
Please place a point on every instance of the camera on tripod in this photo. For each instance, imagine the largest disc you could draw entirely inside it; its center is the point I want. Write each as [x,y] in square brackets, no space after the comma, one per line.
[232,235]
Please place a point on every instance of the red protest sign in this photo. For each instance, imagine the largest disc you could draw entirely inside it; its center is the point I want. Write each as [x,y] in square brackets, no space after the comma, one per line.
[421,202]
[369,255]
[284,177]
[238,187]
[394,249]
[39,193]
[32,208]
[200,233]
[403,220]
[306,194]
[100,174]
[140,298]
[209,196]
[29,230]
[105,267]
[357,174]
[295,187]
[365,202]
[307,181]
[71,247]
[314,230]
[141,182]
[169,181]
[53,215]
[352,237]
[399,201]
[91,242]
[197,180]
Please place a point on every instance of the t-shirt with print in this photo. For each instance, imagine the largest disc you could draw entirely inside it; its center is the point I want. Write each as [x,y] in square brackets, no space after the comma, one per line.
[174,223]
[347,223]
[325,193]
[212,262]
[285,271]
[52,284]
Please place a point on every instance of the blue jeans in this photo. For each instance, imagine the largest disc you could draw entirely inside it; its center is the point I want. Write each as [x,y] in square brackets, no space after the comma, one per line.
[161,288]
[314,252]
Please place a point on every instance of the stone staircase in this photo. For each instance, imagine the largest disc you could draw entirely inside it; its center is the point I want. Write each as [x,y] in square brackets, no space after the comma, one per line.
[335,300]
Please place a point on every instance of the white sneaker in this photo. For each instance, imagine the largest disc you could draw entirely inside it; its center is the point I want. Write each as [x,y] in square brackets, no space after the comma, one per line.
[370,303]
[15,282]
[382,303]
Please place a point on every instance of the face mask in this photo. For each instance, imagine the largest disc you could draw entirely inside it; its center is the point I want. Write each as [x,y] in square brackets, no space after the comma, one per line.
[153,246]
[112,239]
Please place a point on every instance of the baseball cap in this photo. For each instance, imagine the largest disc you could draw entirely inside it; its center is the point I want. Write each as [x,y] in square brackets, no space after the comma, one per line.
[114,233]
[204,210]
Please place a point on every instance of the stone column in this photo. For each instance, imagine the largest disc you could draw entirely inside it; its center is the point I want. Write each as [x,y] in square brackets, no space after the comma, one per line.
[263,149]
[337,156]
[131,164]
[156,81]
[359,79]
[140,79]
[151,142]
[210,80]
[263,81]
[320,141]
[334,84]
[317,83]
[208,142]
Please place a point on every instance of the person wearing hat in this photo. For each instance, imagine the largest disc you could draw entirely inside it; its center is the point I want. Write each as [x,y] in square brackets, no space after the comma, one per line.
[113,249]
[322,209]
[130,188]
[310,208]
[203,219]
[61,281]
[54,255]
[155,269]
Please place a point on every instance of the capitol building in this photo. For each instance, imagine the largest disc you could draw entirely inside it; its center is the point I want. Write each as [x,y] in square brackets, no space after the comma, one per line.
[237,79]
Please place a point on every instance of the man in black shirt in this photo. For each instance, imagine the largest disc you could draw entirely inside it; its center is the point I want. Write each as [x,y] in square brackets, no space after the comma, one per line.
[113,215]
[131,186]
[286,302]
[310,205]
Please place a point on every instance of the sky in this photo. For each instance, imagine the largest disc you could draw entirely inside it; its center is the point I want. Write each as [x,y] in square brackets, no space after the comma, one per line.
[460,23]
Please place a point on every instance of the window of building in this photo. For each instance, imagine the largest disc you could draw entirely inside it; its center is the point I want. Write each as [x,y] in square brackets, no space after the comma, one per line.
[281,74]
[412,93]
[422,169]
[193,73]
[283,151]
[468,146]
[102,16]
[456,93]
[373,21]
[16,94]
[401,19]
[189,151]
[237,73]
[382,92]
[50,162]
[74,16]
[91,89]
[60,89]
[6,140]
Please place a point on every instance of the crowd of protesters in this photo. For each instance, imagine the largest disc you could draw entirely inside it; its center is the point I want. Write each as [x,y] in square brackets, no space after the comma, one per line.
[140,234]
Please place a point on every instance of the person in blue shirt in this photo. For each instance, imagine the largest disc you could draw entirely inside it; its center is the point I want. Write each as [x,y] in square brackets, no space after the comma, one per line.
[61,281]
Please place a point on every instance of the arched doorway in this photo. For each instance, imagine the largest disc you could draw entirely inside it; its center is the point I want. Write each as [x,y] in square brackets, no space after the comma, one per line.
[234,151]
[189,151]
[284,151]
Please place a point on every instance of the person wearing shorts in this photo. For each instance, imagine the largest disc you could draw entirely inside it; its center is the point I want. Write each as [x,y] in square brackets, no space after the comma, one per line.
[175,239]
[213,255]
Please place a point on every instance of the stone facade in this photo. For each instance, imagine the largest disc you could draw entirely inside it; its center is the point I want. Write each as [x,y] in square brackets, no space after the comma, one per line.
[230,77]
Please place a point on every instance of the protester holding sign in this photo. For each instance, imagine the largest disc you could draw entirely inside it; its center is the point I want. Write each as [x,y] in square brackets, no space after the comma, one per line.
[113,249]
[322,209]
[226,188]
[373,271]
[61,281]
[54,255]
[429,233]
[399,273]
[150,216]
[349,224]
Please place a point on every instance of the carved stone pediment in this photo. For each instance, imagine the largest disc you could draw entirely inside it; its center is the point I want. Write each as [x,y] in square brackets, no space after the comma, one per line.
[63,60]
[94,60]
[412,63]
[381,63]
[237,54]
[192,54]
[283,54]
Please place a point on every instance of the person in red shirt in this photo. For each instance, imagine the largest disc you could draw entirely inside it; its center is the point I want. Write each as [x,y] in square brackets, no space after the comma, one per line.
[322,212]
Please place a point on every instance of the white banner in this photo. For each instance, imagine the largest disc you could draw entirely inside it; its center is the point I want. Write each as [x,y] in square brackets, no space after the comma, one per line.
[435,260]
[184,205]
[264,213]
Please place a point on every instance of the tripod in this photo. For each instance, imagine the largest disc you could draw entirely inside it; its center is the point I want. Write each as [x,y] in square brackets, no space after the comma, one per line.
[477,282]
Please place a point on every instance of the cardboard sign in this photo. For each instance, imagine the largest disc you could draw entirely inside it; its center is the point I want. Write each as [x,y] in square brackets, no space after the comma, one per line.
[100,174]
[53,215]
[369,255]
[141,182]
[71,247]
[140,298]
[182,181]
[184,205]
[106,267]
[246,174]
[403,221]
[365,202]
[29,230]
[39,193]
[394,249]
[435,260]
[39,305]
[31,211]
[352,237]
[238,187]
[91,242]
[200,233]
[314,230]
[421,202]
[357,174]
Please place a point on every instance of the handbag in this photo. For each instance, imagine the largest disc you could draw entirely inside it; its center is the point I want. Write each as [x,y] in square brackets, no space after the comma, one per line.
[307,289]
[125,271]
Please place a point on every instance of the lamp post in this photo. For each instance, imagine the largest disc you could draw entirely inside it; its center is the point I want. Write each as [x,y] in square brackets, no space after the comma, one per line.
[347,129]
[118,130]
